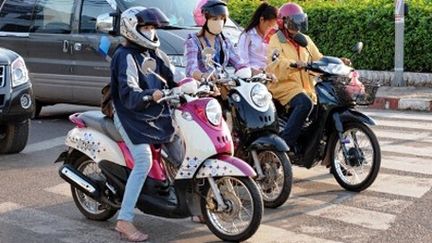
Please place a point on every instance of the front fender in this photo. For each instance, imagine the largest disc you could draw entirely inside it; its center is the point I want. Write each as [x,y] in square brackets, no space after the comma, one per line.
[269,142]
[95,145]
[224,165]
[356,116]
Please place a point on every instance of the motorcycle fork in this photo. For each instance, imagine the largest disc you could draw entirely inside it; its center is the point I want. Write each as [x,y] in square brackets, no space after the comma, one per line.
[257,165]
[339,129]
[216,192]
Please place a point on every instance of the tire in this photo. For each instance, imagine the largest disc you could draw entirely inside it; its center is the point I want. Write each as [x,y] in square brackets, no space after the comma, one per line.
[37,110]
[276,185]
[215,219]
[103,211]
[14,136]
[357,160]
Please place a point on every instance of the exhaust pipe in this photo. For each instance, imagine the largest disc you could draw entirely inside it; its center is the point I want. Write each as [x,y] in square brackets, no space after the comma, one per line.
[79,181]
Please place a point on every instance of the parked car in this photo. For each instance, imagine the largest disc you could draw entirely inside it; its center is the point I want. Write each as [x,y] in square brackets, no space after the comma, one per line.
[60,43]
[16,102]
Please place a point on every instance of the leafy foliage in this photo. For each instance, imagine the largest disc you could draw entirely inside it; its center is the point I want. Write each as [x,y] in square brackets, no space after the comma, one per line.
[336,25]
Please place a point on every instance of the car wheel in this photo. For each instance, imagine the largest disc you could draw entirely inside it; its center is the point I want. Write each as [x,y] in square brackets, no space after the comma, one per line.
[14,136]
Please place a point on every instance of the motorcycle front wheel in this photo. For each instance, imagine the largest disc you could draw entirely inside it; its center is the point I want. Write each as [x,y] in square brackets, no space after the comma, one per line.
[358,169]
[242,216]
[89,207]
[277,182]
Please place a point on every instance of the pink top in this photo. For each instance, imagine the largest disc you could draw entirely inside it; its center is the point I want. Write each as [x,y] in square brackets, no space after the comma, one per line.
[253,49]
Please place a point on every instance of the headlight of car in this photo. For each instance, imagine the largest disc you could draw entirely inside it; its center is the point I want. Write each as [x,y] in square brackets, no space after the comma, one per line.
[214,112]
[19,72]
[177,60]
[260,95]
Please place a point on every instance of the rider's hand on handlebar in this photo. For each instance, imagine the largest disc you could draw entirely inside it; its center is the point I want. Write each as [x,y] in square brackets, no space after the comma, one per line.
[346,61]
[216,91]
[157,95]
[204,77]
[272,77]
[300,64]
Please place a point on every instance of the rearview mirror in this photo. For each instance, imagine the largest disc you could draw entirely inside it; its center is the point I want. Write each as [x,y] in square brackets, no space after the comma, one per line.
[148,66]
[300,39]
[207,55]
[358,47]
[105,23]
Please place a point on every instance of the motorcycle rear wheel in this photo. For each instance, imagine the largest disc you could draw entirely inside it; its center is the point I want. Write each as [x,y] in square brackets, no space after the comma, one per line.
[89,207]
[350,172]
[244,213]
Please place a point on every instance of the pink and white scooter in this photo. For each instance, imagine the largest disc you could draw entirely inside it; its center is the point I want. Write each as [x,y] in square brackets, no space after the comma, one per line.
[207,180]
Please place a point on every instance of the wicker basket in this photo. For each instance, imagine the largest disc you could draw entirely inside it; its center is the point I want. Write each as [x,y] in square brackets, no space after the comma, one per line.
[366,97]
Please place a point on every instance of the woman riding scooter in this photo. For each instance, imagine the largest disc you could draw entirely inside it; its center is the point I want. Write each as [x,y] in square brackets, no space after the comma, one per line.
[140,121]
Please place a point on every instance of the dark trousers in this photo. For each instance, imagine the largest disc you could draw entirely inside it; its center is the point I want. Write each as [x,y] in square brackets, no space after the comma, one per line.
[300,107]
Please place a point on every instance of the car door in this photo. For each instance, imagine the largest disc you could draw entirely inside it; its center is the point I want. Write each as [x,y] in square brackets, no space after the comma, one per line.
[92,70]
[50,60]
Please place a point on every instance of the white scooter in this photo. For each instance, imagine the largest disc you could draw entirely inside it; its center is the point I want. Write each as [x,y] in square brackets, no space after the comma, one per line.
[206,181]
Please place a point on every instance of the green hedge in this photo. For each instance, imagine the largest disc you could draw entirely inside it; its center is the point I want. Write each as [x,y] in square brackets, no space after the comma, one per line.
[336,25]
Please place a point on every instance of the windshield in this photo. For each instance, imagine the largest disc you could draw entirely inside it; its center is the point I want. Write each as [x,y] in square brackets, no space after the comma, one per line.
[179,12]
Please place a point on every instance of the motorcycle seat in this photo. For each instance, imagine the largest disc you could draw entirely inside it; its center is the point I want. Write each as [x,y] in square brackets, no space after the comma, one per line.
[98,121]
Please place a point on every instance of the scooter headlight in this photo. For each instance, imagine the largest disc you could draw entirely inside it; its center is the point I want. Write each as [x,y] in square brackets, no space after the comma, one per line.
[214,112]
[260,95]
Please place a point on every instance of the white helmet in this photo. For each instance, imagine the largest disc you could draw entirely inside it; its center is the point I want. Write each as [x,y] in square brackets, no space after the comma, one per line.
[132,18]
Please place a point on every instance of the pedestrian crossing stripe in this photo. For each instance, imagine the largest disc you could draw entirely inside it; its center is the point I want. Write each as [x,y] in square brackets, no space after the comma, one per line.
[408,186]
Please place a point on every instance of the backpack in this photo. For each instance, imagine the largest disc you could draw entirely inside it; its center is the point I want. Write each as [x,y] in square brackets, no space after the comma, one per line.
[106,102]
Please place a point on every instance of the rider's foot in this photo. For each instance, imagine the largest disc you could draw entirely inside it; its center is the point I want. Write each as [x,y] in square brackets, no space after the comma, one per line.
[198,219]
[129,232]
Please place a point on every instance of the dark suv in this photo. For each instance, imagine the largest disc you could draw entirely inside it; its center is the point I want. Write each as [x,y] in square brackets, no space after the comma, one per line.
[60,43]
[16,102]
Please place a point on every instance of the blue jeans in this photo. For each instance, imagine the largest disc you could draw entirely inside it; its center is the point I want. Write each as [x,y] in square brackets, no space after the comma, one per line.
[141,153]
[300,107]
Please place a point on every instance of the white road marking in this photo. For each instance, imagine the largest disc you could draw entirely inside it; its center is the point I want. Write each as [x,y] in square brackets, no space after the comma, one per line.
[385,183]
[60,189]
[44,145]
[60,228]
[415,165]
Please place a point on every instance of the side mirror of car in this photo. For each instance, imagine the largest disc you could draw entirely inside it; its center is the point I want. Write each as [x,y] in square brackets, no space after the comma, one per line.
[105,23]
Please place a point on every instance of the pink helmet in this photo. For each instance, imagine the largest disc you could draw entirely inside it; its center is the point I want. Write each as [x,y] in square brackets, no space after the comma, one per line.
[209,7]
[197,13]
[291,16]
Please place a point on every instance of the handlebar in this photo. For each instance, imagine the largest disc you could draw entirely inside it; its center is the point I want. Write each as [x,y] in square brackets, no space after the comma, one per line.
[168,98]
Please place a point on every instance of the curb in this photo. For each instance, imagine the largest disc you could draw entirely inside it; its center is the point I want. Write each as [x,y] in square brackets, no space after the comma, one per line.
[392,103]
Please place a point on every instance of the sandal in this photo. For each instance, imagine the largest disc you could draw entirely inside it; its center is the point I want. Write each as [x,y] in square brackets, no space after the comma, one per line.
[130,233]
[198,219]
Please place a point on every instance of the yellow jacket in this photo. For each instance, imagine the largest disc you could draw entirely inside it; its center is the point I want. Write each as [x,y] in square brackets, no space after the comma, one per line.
[291,81]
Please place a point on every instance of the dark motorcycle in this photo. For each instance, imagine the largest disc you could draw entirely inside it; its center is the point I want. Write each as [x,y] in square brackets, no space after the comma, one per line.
[336,134]
[249,109]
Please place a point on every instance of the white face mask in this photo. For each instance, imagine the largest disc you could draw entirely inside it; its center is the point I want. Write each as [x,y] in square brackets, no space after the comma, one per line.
[149,34]
[215,26]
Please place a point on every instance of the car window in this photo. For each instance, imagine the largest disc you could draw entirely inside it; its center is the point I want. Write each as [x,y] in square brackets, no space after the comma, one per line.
[53,16]
[180,13]
[89,12]
[15,15]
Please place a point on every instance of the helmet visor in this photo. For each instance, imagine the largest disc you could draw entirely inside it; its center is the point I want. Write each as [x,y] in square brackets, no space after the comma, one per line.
[152,16]
[298,22]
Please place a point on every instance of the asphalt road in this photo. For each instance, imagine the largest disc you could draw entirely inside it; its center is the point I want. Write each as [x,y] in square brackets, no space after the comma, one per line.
[36,205]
